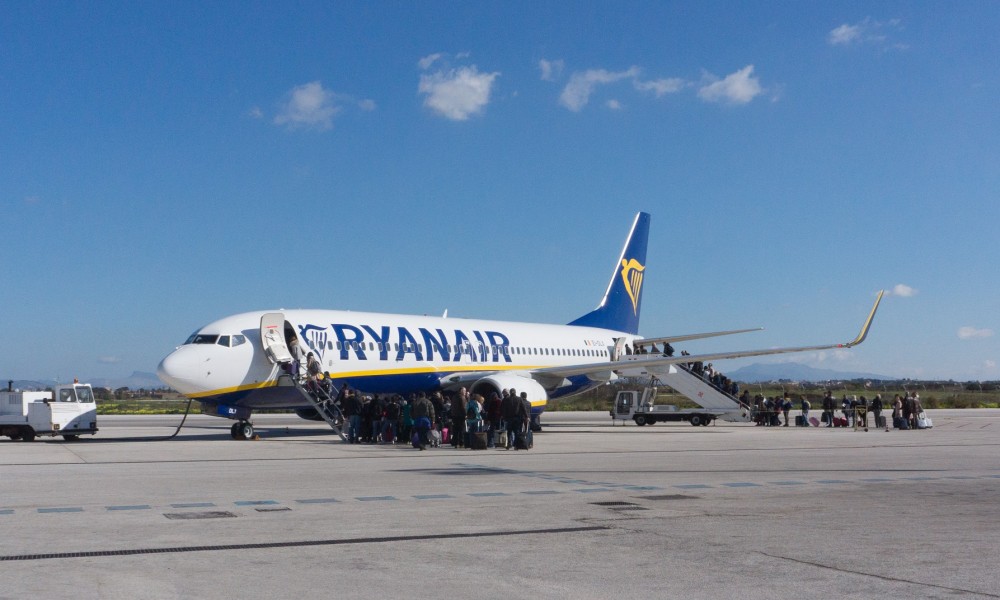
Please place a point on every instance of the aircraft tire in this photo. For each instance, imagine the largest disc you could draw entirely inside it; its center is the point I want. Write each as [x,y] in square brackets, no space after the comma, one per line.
[234,431]
[246,431]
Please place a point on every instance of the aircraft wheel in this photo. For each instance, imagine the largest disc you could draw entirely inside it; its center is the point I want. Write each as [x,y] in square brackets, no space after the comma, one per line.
[235,431]
[695,420]
[246,430]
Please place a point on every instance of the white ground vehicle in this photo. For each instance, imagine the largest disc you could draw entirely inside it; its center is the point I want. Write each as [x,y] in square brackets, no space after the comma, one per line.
[69,411]
[641,407]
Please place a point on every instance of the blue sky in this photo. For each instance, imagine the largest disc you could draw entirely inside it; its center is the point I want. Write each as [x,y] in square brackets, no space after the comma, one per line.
[163,165]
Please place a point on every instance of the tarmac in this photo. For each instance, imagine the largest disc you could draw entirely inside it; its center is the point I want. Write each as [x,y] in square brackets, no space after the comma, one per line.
[593,511]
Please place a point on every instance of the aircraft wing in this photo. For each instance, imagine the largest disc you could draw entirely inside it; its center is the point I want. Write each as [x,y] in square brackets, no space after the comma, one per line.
[692,336]
[601,371]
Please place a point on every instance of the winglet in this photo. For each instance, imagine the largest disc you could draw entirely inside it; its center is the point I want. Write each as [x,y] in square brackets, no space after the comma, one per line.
[868,324]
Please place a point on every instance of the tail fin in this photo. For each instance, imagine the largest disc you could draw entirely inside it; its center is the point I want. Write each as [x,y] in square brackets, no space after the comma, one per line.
[619,309]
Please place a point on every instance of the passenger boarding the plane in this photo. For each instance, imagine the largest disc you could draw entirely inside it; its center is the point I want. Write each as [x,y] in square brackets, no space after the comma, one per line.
[314,373]
[297,355]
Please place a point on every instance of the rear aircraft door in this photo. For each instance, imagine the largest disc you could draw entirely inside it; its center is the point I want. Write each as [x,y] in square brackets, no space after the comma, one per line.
[272,336]
[619,349]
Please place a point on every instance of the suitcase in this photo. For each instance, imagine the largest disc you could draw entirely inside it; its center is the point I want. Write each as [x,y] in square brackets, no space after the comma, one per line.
[502,438]
[434,436]
[800,421]
[478,440]
[415,439]
[444,435]
[901,423]
[880,422]
[525,441]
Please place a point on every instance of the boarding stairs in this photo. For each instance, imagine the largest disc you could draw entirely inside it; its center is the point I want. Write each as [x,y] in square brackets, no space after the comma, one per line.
[325,405]
[701,392]
[679,377]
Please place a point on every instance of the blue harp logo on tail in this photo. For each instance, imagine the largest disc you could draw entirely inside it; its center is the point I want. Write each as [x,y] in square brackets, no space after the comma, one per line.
[632,273]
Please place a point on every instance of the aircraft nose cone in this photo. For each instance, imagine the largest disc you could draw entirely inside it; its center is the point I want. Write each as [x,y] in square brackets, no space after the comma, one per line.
[179,371]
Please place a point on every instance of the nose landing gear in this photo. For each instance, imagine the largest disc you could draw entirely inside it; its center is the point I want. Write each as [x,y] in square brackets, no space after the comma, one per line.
[242,430]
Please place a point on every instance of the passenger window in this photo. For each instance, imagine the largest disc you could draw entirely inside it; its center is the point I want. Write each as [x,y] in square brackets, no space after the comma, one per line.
[223,340]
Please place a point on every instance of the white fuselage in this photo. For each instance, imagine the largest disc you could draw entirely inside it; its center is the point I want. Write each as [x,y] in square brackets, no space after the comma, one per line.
[224,362]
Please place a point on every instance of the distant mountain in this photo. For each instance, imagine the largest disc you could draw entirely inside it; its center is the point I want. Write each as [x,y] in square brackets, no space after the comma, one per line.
[137,380]
[758,372]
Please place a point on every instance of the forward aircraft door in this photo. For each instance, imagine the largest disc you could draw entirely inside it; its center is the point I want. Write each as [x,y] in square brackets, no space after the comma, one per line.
[272,336]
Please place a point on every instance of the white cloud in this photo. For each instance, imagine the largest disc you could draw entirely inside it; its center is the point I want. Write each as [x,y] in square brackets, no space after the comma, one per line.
[660,87]
[551,69]
[459,93]
[737,88]
[577,92]
[366,104]
[426,62]
[845,34]
[255,113]
[614,104]
[867,31]
[109,360]
[308,106]
[969,333]
[903,291]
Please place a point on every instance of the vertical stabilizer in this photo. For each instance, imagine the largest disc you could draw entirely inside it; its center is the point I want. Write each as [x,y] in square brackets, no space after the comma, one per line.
[619,309]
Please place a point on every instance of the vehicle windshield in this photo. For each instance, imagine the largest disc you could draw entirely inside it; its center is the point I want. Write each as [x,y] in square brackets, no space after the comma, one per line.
[83,394]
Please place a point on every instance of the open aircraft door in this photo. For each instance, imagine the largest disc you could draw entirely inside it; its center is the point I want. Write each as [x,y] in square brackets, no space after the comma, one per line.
[272,336]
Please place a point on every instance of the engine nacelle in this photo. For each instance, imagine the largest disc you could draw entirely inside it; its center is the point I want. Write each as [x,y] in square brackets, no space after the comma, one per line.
[537,395]
[309,414]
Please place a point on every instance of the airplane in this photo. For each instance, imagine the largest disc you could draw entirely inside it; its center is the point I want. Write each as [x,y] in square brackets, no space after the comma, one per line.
[236,364]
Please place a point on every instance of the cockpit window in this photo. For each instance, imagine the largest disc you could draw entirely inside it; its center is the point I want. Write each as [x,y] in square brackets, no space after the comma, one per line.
[239,340]
[201,338]
[223,340]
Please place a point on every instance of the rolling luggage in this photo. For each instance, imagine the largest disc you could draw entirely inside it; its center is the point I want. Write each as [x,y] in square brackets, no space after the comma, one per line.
[502,438]
[444,435]
[415,439]
[434,436]
[478,440]
[524,440]
[800,421]
[880,422]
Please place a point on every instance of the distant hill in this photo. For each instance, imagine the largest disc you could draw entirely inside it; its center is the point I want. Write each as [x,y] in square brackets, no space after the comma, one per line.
[758,372]
[137,380]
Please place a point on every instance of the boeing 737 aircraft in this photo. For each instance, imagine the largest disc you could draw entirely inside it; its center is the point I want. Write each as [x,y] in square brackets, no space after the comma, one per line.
[234,365]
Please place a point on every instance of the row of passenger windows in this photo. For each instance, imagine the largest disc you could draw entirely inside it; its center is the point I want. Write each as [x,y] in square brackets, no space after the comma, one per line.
[451,349]
[229,341]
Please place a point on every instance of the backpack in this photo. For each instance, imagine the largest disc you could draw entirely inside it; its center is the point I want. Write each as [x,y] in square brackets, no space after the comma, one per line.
[472,412]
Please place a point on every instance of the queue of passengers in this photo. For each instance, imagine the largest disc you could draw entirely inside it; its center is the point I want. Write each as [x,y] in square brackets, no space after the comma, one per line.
[849,411]
[439,418]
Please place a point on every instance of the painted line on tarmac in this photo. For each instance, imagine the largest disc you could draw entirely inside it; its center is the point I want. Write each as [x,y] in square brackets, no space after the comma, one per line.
[304,543]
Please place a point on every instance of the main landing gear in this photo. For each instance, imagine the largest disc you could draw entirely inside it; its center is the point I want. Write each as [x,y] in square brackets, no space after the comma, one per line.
[242,430]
